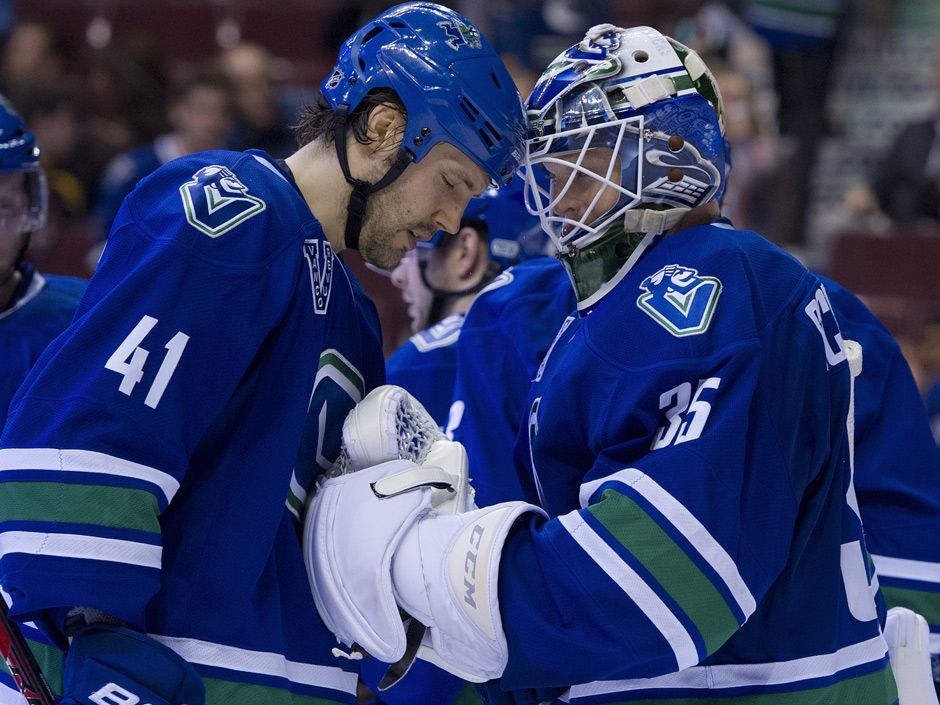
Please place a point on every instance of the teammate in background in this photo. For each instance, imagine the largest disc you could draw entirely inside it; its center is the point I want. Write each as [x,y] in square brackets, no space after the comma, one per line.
[687,442]
[506,334]
[897,467]
[34,308]
[156,459]
[439,281]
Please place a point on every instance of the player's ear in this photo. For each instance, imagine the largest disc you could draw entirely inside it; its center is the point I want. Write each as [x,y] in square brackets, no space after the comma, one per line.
[385,129]
[469,250]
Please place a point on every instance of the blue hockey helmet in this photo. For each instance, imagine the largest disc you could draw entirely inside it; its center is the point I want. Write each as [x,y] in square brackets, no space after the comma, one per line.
[632,119]
[513,234]
[19,154]
[453,85]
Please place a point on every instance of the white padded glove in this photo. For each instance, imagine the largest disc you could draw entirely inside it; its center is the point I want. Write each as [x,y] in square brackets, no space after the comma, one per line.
[375,539]
[445,573]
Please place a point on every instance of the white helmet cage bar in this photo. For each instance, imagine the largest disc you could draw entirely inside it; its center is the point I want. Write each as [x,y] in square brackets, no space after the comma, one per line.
[623,139]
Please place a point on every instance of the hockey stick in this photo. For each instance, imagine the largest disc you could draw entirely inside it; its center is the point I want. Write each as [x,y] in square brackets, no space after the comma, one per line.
[22,663]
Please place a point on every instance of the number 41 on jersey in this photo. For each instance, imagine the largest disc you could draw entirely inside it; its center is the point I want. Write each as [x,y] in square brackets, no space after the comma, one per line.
[129,359]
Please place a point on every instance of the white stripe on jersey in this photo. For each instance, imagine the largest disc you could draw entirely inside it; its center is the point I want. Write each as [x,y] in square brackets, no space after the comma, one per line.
[84,547]
[76,460]
[907,569]
[746,674]
[264,663]
[686,523]
[11,696]
[637,590]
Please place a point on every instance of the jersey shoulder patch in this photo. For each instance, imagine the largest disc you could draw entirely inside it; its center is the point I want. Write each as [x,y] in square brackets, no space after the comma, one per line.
[680,299]
[215,200]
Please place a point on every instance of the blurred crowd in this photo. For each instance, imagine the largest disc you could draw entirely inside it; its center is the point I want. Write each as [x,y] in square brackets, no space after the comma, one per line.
[109,105]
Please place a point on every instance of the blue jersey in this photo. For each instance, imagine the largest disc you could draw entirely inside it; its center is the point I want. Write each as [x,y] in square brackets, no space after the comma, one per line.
[508,329]
[157,457]
[42,308]
[687,436]
[897,466]
[425,366]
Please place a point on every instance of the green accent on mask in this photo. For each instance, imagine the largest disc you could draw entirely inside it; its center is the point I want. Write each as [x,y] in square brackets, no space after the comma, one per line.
[596,264]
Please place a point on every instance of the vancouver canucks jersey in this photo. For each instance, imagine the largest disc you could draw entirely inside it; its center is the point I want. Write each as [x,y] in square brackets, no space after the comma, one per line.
[425,366]
[42,307]
[687,435]
[508,329]
[897,466]
[156,459]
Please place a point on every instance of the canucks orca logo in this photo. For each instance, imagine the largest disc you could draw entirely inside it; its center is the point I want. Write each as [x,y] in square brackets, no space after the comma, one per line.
[319,256]
[460,35]
[215,201]
[679,299]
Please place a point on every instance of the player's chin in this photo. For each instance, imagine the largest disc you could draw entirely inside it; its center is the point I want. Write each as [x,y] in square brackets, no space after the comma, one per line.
[384,257]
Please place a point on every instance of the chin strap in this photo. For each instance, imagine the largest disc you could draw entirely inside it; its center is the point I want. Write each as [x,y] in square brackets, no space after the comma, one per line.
[440,296]
[361,190]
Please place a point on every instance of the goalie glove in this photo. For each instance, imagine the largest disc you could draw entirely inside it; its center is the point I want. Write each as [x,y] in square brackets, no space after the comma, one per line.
[390,424]
[375,539]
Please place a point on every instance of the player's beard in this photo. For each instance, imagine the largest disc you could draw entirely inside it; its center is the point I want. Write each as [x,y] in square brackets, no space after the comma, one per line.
[387,215]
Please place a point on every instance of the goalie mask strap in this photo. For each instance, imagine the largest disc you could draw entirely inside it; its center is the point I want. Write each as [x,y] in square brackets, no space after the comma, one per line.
[645,220]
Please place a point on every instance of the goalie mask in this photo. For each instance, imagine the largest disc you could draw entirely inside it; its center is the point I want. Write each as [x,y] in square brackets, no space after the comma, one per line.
[625,136]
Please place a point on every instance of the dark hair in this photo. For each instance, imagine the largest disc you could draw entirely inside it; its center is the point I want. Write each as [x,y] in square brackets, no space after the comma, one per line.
[317,121]
[483,230]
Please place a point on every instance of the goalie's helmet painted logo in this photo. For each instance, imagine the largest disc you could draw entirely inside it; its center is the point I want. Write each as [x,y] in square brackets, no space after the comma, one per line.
[680,299]
[215,201]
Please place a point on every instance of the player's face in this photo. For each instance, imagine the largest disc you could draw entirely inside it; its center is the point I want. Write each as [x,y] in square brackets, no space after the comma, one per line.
[583,188]
[430,195]
[417,297]
[13,210]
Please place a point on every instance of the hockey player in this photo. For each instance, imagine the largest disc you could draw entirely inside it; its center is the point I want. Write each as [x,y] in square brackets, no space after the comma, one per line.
[156,460]
[439,280]
[34,308]
[693,531]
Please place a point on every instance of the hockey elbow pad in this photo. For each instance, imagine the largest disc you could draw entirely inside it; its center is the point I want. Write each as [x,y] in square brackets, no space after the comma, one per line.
[111,665]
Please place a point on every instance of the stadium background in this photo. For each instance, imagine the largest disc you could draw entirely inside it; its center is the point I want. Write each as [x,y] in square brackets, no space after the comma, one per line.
[93,77]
